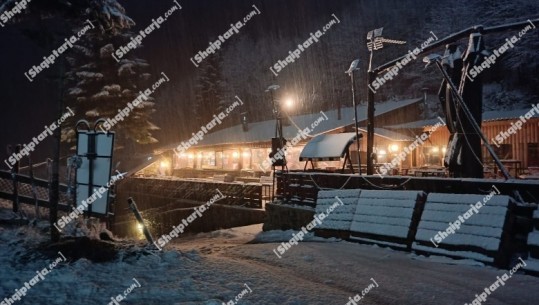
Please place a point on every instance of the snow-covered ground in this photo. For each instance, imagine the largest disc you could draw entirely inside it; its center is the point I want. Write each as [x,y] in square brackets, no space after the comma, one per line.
[215,268]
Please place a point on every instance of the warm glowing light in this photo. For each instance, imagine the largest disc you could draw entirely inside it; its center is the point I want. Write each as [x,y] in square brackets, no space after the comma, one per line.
[435,149]
[444,149]
[191,156]
[246,154]
[289,103]
[394,148]
[183,155]
[235,154]
[382,152]
[164,164]
[140,227]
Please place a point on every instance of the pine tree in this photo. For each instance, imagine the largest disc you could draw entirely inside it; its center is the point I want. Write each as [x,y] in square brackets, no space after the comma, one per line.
[98,87]
[209,98]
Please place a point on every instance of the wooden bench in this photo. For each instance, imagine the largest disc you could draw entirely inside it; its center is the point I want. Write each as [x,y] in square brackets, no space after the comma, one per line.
[338,222]
[532,263]
[387,217]
[481,237]
[383,217]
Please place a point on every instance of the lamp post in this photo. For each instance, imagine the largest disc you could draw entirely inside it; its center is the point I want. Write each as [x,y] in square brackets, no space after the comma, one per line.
[375,41]
[350,72]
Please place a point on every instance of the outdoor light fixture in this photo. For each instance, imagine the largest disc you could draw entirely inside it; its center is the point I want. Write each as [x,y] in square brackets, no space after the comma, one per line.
[246,154]
[350,72]
[431,58]
[444,149]
[353,67]
[382,152]
[164,164]
[435,149]
[235,154]
[140,227]
[191,156]
[394,148]
[289,103]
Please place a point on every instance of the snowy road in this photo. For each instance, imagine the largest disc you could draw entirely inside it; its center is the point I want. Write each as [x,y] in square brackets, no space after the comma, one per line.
[330,272]
[214,268]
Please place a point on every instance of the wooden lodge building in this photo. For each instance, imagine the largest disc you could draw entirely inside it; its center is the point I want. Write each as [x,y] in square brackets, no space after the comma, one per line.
[241,153]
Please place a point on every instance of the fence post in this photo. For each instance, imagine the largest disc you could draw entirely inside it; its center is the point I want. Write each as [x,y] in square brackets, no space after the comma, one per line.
[133,207]
[14,176]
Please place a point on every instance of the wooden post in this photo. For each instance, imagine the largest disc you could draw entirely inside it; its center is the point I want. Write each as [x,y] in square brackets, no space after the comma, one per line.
[14,175]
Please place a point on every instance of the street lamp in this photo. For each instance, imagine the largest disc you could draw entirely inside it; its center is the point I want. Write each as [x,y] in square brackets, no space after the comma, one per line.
[350,72]
[289,103]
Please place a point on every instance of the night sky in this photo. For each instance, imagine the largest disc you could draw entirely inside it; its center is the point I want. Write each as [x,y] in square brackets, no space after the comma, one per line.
[317,77]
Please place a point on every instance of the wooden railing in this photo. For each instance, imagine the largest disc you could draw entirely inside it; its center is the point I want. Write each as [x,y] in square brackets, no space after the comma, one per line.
[302,188]
[25,194]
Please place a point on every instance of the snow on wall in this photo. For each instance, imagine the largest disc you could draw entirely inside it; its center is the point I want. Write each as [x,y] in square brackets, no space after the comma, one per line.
[532,265]
[466,254]
[483,229]
[533,239]
[386,213]
[341,217]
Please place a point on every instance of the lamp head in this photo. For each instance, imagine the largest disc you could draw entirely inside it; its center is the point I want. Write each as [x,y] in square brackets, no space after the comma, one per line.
[353,67]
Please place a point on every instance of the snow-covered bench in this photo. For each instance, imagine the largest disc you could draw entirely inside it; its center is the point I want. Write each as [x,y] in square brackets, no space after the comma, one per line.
[481,236]
[387,217]
[384,217]
[532,263]
[339,221]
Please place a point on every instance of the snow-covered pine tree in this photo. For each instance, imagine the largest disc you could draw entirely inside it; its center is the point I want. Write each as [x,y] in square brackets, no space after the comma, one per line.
[98,87]
[209,98]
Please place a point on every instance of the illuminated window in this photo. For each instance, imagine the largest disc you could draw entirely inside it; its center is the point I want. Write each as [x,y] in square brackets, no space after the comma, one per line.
[231,159]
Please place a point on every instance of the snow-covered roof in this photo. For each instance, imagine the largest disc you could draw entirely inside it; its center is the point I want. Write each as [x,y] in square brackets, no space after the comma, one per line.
[415,124]
[488,116]
[330,147]
[265,130]
[499,115]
